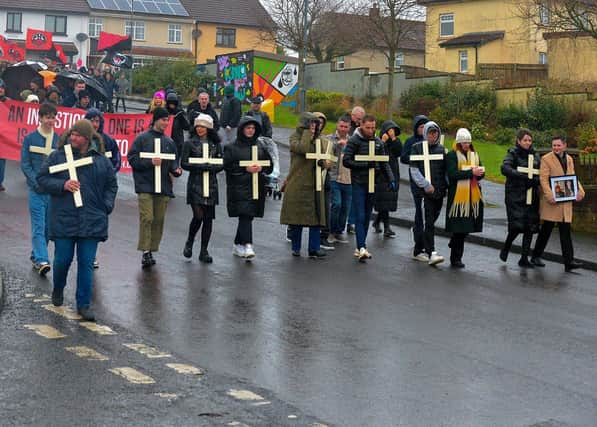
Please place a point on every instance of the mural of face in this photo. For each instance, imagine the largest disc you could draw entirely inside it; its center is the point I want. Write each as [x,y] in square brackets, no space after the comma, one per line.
[286,79]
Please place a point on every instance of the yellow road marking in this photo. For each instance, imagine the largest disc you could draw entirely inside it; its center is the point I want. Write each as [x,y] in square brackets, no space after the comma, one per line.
[46,331]
[98,329]
[29,295]
[86,353]
[43,298]
[63,311]
[132,375]
[151,352]
[169,396]
[181,368]
[292,417]
[244,395]
[319,425]
[264,402]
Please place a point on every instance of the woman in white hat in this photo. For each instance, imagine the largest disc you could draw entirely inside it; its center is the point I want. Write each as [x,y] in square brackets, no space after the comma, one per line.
[464,213]
[203,205]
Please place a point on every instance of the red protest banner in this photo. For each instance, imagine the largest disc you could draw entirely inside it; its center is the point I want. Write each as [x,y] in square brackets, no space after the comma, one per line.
[17,119]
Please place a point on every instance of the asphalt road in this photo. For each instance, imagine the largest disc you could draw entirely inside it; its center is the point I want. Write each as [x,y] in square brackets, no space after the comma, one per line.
[392,342]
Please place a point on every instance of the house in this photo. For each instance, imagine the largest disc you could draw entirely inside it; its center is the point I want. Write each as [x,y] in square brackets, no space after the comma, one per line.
[573,56]
[65,20]
[160,31]
[370,52]
[227,26]
[463,33]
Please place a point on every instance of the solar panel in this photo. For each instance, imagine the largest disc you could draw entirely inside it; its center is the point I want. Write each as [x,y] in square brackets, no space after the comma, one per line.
[159,7]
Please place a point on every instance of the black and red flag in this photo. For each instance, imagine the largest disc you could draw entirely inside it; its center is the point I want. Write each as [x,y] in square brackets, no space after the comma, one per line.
[118,59]
[59,54]
[114,42]
[38,40]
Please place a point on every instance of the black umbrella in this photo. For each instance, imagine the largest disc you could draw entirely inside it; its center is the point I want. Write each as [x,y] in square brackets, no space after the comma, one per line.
[95,86]
[18,76]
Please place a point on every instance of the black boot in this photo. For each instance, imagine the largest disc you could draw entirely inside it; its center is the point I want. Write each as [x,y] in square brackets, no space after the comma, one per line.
[527,238]
[504,253]
[151,258]
[375,225]
[188,249]
[205,257]
[388,232]
[146,260]
[456,252]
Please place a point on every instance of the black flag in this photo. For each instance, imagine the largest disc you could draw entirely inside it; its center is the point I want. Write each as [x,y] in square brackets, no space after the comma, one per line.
[118,59]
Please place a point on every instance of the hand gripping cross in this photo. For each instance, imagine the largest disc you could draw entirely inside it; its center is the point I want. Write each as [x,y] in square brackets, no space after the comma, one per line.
[205,160]
[157,154]
[254,161]
[71,166]
[371,157]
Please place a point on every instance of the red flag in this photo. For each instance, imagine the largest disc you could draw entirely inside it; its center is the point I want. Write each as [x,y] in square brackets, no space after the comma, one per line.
[16,53]
[60,53]
[38,40]
[109,41]
[3,50]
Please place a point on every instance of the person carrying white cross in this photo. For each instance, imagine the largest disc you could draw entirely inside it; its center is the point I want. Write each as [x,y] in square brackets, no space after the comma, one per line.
[154,163]
[428,172]
[36,147]
[80,153]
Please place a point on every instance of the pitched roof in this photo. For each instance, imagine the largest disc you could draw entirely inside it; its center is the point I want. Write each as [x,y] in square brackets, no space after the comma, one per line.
[72,6]
[248,13]
[473,39]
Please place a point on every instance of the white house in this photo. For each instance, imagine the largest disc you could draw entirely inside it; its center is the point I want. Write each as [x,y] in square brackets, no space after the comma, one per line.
[65,20]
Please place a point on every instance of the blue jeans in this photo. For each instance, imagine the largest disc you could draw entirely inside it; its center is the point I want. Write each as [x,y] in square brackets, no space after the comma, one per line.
[63,256]
[419,225]
[39,205]
[341,201]
[2,169]
[362,205]
[297,236]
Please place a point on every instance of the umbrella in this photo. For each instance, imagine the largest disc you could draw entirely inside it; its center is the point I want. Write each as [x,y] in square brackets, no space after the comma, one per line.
[95,86]
[18,76]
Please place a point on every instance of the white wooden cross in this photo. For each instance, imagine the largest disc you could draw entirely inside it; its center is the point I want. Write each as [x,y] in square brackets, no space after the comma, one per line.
[254,161]
[427,158]
[371,157]
[71,166]
[157,154]
[205,160]
[317,156]
[473,160]
[530,171]
[46,149]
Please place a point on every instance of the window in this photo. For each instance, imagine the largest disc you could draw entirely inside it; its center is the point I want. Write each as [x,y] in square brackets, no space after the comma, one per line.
[399,60]
[56,24]
[174,33]
[446,25]
[13,22]
[543,58]
[463,56]
[140,62]
[340,63]
[543,14]
[95,26]
[136,29]
[226,37]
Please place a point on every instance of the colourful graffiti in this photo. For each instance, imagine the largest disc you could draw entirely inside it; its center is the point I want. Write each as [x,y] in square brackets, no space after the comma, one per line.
[235,69]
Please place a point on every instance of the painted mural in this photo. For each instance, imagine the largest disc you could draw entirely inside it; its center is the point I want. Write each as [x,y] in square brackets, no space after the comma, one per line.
[275,79]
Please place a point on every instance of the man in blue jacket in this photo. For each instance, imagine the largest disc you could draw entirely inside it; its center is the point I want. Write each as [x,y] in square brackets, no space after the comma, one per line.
[35,149]
[81,227]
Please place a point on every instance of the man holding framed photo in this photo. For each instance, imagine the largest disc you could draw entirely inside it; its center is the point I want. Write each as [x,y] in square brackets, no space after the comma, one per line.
[554,209]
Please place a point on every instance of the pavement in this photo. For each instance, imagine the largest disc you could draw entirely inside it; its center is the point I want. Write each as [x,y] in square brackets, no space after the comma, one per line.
[495,224]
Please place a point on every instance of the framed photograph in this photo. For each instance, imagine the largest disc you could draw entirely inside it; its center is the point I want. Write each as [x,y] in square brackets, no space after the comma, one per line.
[564,188]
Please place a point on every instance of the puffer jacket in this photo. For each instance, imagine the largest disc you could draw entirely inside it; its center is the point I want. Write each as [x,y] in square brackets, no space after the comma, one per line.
[194,148]
[359,170]
[31,162]
[521,217]
[239,182]
[418,121]
[98,192]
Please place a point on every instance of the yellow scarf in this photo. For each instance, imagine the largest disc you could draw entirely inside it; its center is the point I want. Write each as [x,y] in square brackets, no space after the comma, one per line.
[468,193]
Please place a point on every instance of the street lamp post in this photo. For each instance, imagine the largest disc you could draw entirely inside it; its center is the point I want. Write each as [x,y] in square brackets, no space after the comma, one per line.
[303,65]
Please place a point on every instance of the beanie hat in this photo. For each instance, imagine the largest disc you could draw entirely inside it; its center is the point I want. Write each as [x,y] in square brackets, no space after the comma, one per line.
[172,97]
[204,120]
[228,90]
[51,89]
[25,93]
[32,98]
[84,128]
[463,135]
[159,94]
[160,113]
[257,99]
[84,94]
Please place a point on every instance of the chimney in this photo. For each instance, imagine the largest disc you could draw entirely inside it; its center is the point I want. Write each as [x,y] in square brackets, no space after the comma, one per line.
[374,11]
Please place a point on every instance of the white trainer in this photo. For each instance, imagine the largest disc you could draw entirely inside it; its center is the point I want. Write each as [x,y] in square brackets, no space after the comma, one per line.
[435,258]
[331,239]
[363,255]
[423,257]
[249,252]
[238,250]
[340,238]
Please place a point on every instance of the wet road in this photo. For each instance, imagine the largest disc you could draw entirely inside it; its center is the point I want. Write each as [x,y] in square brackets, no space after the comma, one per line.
[393,342]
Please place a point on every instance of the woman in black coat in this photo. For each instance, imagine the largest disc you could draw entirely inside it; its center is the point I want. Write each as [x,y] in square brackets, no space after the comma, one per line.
[239,183]
[386,197]
[204,206]
[522,217]
[81,227]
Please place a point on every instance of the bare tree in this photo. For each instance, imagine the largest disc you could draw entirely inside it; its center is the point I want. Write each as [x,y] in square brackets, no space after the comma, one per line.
[332,36]
[562,15]
[294,22]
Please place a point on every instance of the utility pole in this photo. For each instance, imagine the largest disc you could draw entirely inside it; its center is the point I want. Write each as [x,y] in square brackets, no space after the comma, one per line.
[303,64]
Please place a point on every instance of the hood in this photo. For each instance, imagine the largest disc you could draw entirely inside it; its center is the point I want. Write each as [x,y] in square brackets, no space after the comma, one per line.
[321,116]
[94,112]
[244,121]
[96,144]
[387,125]
[304,120]
[431,125]
[418,121]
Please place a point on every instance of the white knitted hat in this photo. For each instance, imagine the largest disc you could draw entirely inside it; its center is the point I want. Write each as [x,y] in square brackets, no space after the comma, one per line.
[463,135]
[204,120]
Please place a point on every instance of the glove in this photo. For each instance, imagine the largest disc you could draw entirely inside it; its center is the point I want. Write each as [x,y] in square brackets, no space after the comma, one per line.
[393,186]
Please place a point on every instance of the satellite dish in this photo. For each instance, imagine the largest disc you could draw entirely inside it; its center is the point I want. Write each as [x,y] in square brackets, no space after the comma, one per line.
[81,37]
[196,34]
